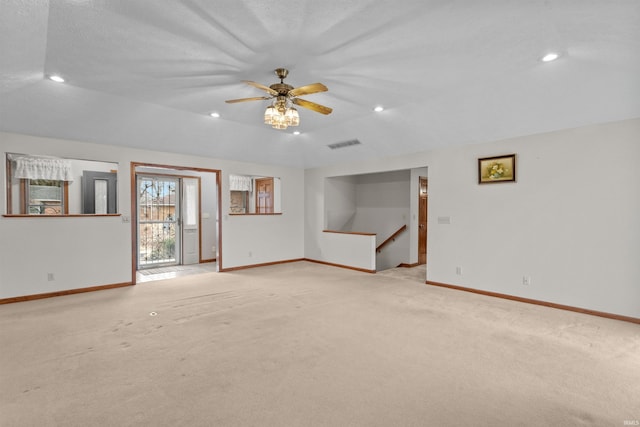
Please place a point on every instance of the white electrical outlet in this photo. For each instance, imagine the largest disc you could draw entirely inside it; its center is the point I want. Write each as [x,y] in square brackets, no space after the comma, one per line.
[50,277]
[526,280]
[459,271]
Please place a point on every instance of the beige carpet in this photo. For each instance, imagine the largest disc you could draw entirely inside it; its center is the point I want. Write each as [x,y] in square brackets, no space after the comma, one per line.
[304,344]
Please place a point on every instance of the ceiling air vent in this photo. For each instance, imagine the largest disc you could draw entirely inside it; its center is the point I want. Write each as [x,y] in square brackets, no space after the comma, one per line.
[344,144]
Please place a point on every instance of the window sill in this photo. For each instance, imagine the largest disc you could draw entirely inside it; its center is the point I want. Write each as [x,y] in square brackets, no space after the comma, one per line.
[56,216]
[254,214]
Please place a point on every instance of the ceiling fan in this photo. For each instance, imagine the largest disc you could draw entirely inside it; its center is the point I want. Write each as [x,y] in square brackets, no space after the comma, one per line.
[281,114]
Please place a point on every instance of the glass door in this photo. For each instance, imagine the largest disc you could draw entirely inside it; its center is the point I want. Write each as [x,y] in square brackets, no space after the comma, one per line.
[158,221]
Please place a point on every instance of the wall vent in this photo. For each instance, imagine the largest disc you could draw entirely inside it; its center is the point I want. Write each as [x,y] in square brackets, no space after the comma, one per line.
[344,144]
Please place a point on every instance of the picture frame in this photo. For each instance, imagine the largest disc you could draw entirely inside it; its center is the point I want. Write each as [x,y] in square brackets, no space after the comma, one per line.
[497,169]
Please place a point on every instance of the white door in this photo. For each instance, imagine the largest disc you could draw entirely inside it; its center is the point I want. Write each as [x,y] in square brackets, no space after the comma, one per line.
[190,221]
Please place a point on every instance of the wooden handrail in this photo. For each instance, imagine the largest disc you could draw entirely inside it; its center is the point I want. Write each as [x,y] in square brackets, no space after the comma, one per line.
[391,238]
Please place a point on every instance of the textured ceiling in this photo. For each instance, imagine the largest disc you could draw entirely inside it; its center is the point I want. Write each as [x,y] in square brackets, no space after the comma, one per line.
[146,74]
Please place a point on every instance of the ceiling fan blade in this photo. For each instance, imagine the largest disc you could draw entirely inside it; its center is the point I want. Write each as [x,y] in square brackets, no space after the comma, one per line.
[262,87]
[312,106]
[308,89]
[255,98]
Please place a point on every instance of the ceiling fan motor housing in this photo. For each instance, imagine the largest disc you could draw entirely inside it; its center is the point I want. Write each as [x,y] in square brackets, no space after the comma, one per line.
[281,88]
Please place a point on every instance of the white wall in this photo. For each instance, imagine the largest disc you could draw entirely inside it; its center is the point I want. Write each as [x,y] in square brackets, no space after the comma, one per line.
[340,203]
[93,251]
[570,222]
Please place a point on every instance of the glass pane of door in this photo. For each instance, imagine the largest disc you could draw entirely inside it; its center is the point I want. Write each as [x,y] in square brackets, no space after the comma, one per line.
[158,209]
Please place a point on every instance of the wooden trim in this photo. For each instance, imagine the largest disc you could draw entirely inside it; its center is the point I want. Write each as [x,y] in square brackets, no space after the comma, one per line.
[65,198]
[65,292]
[133,207]
[265,264]
[58,216]
[178,168]
[205,261]
[364,270]
[391,238]
[199,219]
[219,218]
[349,232]
[23,196]
[538,302]
[254,214]
[8,185]
[409,265]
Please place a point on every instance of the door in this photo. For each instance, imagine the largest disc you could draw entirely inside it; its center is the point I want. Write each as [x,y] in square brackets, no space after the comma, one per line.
[158,208]
[190,221]
[99,192]
[264,195]
[422,221]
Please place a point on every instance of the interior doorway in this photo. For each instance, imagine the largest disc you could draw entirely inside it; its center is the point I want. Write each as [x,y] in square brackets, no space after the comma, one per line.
[175,219]
[422,220]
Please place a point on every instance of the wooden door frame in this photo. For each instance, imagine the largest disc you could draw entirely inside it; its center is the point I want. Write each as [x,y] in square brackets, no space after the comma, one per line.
[420,197]
[134,204]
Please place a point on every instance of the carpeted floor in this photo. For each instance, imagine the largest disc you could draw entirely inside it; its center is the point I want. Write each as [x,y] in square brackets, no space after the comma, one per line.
[304,344]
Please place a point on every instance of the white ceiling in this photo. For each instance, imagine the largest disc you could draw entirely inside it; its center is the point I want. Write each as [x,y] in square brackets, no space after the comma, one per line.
[146,74]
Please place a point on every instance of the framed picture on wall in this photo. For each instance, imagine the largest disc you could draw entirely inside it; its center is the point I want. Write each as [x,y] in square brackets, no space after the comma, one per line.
[497,169]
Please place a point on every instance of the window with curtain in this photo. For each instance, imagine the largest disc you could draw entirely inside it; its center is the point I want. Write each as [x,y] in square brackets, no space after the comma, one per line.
[44,185]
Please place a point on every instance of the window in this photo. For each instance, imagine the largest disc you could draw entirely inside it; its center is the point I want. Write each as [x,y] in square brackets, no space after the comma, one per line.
[239,202]
[38,185]
[44,197]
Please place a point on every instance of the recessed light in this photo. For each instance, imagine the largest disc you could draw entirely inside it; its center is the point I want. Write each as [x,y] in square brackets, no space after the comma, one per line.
[378,109]
[216,115]
[551,56]
[56,79]
[296,132]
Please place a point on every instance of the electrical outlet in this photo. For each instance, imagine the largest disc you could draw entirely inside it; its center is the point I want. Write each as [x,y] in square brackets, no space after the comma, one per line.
[459,271]
[526,280]
[50,277]
[250,254]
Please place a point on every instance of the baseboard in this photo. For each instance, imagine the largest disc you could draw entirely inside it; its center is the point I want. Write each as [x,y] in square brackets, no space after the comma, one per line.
[265,264]
[538,302]
[204,261]
[408,265]
[65,292]
[340,265]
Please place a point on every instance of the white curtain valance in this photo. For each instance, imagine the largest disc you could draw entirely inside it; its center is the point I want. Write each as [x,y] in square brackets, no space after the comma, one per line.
[32,167]
[239,183]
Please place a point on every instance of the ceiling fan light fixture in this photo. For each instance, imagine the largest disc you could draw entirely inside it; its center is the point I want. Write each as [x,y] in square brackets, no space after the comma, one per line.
[269,114]
[292,117]
[279,122]
[281,114]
